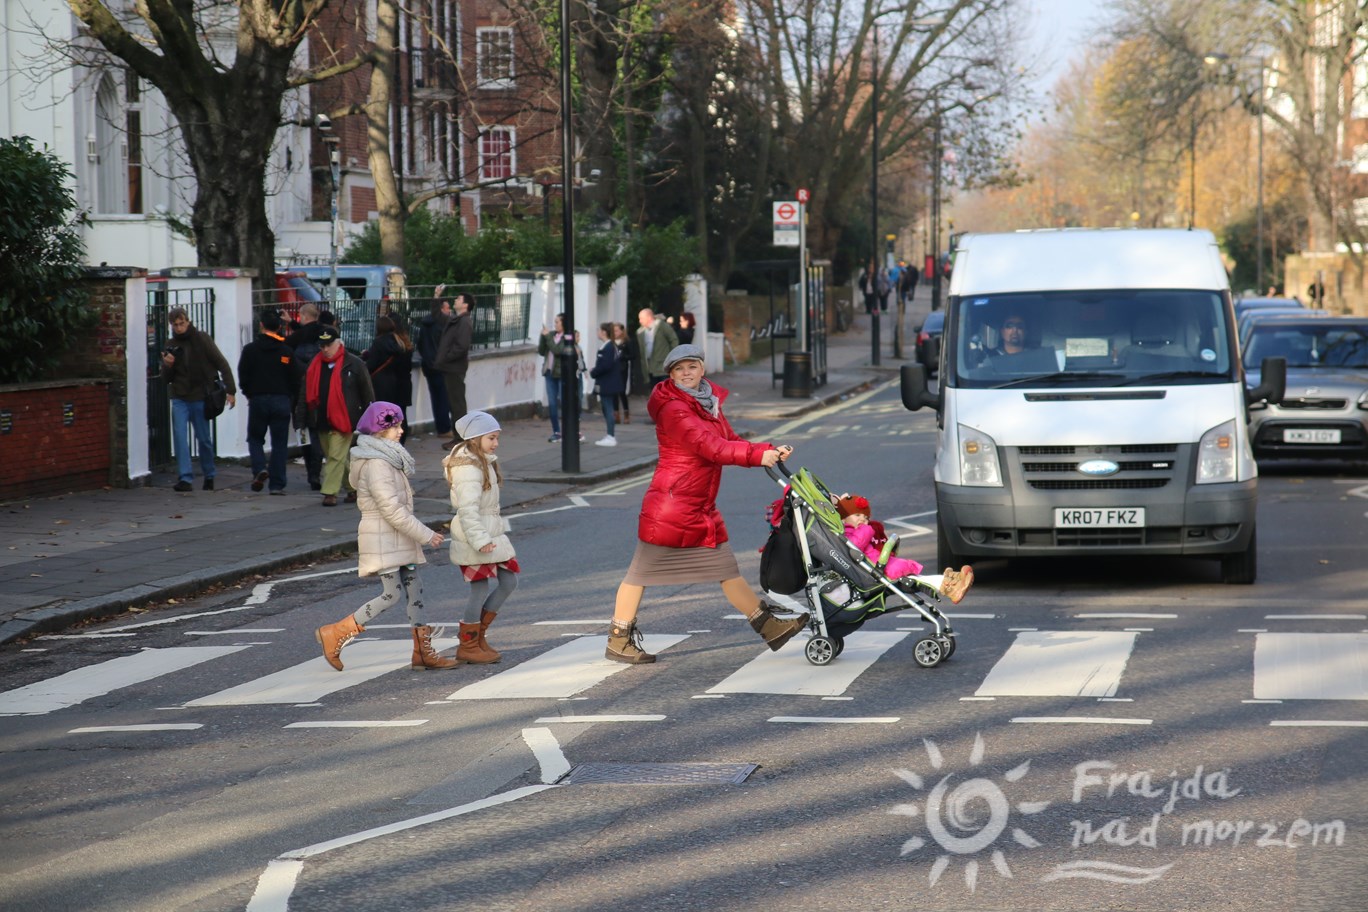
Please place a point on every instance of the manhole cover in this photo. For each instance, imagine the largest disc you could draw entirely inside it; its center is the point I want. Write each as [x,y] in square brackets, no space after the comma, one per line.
[659,773]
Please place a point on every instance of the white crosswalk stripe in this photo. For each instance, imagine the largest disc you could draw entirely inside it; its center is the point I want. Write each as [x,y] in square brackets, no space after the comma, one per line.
[97,680]
[1311,666]
[1056,663]
[560,673]
[789,672]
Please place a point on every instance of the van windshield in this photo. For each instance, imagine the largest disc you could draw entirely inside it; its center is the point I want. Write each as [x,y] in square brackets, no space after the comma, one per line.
[1090,338]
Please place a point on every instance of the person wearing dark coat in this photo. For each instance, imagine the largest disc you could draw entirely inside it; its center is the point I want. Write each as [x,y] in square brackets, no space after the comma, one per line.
[453,354]
[190,363]
[303,339]
[390,361]
[609,380]
[429,335]
[627,361]
[266,372]
[681,536]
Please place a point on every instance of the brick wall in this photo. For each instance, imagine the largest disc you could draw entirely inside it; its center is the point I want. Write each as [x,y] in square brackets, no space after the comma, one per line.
[54,437]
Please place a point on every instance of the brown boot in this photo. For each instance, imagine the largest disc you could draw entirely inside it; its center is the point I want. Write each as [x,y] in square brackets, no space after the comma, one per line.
[470,650]
[955,583]
[334,636]
[624,645]
[424,656]
[775,632]
[617,417]
[487,618]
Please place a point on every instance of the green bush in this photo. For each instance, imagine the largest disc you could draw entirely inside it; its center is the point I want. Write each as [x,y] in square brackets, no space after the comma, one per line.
[42,300]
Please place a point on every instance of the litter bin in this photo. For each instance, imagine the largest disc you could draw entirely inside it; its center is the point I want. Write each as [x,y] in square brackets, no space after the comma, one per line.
[797,375]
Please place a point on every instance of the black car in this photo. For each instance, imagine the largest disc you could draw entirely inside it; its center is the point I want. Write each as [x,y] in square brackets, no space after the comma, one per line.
[929,341]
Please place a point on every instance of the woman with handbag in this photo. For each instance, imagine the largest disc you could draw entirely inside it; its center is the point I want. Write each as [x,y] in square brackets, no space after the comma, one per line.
[390,361]
[192,367]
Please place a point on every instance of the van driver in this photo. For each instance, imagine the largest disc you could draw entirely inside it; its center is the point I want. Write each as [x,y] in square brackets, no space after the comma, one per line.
[1011,335]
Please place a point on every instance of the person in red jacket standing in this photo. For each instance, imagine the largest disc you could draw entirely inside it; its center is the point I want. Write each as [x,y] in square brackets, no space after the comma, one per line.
[681,535]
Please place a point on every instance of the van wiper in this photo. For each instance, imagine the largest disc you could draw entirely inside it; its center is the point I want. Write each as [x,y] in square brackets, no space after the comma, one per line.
[1173,375]
[1061,375]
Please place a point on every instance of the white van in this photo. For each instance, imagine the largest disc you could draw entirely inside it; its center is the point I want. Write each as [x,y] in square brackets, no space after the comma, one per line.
[1092,401]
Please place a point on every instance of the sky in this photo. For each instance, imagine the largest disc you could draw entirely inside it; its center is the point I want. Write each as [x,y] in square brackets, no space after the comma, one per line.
[1059,33]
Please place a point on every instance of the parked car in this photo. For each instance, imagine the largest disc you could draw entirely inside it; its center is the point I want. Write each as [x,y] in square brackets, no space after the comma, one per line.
[1244,305]
[1324,412]
[929,341]
[360,282]
[1258,314]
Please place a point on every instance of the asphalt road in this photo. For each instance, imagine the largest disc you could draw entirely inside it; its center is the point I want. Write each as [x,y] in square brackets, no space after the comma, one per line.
[1108,735]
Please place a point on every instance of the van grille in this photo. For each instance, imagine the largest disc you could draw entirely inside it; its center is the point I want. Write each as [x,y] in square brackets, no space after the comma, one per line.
[1328,404]
[1096,484]
[1055,468]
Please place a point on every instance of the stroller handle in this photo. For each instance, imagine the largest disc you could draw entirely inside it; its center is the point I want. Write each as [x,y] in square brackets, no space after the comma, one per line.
[775,470]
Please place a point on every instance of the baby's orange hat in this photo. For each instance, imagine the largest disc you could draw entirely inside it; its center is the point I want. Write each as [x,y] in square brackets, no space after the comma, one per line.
[852,503]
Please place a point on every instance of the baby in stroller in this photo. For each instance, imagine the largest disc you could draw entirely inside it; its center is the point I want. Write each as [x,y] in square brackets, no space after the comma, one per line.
[869,536]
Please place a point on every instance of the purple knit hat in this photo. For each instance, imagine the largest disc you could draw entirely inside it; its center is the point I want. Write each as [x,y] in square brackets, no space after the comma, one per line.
[378,417]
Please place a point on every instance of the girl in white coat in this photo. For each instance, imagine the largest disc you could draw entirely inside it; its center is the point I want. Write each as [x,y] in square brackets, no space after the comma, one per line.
[389,538]
[479,534]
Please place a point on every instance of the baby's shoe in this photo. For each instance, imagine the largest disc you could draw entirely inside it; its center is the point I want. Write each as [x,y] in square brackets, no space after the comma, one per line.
[955,583]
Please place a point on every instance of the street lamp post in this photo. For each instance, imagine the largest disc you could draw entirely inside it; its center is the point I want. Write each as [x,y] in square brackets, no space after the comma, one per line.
[874,317]
[936,216]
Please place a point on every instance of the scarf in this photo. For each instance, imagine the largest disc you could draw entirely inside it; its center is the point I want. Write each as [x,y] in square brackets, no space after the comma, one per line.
[368,446]
[337,415]
[703,395]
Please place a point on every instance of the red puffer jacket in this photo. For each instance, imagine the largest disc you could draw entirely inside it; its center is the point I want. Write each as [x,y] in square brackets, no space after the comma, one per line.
[680,509]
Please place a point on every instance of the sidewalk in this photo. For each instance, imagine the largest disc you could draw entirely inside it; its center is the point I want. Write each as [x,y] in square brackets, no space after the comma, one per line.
[96,553]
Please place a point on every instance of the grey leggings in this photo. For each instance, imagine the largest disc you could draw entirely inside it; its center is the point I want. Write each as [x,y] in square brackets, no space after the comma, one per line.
[482,600]
[391,579]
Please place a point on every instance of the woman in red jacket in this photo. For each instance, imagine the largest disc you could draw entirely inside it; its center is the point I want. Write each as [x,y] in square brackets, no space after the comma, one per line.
[681,535]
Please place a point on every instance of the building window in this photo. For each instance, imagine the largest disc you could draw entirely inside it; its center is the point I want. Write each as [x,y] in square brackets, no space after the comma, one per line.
[496,154]
[494,56]
[133,141]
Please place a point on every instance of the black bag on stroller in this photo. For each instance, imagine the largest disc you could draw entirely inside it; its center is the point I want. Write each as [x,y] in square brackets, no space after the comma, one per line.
[782,568]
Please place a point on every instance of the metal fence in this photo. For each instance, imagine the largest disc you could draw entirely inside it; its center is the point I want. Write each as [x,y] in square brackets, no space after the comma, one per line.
[199,306]
[500,318]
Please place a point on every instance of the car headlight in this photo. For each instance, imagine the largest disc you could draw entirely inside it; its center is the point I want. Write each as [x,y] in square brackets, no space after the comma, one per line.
[1363,400]
[1218,454]
[978,457]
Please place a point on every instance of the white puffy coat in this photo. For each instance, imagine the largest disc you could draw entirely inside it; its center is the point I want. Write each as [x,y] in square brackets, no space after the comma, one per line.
[477,521]
[389,535]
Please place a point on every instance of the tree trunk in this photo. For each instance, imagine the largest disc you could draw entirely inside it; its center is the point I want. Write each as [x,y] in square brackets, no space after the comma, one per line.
[387,200]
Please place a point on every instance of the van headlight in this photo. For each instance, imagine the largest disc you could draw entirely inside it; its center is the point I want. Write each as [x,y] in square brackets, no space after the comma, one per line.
[978,459]
[1218,454]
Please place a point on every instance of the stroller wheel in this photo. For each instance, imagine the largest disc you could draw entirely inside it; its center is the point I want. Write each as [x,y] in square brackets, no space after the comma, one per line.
[928,652]
[821,650]
[840,644]
[948,642]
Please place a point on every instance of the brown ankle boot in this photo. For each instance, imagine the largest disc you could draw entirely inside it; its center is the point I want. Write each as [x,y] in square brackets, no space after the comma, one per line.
[334,636]
[470,650]
[487,618]
[617,417]
[775,632]
[424,656]
[624,645]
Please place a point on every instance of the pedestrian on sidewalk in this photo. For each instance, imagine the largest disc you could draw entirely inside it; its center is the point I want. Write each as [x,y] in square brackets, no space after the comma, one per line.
[191,364]
[335,392]
[549,348]
[479,533]
[389,538]
[429,334]
[627,361]
[656,339]
[453,352]
[869,287]
[303,339]
[266,371]
[390,361]
[608,374]
[681,536]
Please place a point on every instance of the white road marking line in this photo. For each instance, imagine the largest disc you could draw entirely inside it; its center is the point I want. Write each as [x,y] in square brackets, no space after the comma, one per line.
[277,882]
[84,636]
[578,501]
[822,414]
[1138,615]
[788,672]
[1080,720]
[1139,629]
[238,632]
[1054,663]
[1311,666]
[562,672]
[977,699]
[1261,701]
[97,680]
[1115,700]
[838,698]
[570,506]
[310,681]
[1319,723]
[359,723]
[547,750]
[577,623]
[708,697]
[579,720]
[1316,617]
[1021,629]
[849,720]
[1252,630]
[175,726]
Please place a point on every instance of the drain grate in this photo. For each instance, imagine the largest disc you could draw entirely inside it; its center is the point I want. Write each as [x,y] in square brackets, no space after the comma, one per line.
[660,773]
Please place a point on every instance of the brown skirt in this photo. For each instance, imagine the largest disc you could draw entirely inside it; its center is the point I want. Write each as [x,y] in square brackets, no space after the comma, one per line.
[655,565]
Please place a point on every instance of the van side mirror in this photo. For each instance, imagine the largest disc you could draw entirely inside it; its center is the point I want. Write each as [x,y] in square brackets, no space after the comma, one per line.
[914,392]
[1272,382]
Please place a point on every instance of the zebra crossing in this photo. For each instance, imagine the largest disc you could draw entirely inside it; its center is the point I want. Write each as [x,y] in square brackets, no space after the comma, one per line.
[1286,666]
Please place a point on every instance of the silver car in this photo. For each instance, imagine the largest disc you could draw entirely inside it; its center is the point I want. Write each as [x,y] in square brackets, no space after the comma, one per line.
[1324,414]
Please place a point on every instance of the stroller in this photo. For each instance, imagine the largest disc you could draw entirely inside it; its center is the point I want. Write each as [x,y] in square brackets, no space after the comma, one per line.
[807,551]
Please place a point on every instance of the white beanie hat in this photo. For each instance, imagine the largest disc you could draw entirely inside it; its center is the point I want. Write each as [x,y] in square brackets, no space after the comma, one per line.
[476,424]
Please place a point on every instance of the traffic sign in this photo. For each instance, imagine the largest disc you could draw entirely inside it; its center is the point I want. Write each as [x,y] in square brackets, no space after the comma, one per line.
[803,195]
[787,225]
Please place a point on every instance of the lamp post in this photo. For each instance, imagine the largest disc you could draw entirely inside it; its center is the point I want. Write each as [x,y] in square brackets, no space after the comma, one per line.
[569,364]
[936,215]
[1262,63]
